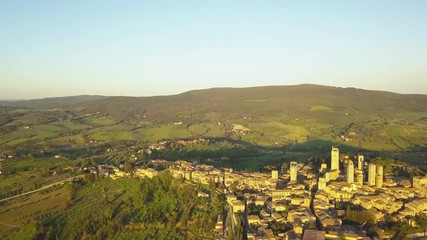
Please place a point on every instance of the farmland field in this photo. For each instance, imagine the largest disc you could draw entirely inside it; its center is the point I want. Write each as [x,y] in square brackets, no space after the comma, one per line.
[26,209]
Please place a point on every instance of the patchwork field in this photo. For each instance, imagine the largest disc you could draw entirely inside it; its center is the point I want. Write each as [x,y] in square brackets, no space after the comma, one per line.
[283,116]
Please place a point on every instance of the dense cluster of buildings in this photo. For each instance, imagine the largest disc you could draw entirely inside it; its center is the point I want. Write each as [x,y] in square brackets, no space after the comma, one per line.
[303,198]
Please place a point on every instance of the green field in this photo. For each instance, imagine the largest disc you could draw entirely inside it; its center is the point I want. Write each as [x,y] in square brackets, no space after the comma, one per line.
[161,132]
[320,108]
[198,129]
[412,116]
[99,121]
[24,210]
[277,131]
[36,163]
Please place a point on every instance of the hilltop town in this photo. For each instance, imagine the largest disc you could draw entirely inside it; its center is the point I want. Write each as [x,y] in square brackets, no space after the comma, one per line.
[302,201]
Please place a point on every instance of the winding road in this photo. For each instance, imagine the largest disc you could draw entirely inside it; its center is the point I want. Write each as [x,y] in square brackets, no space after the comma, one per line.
[42,188]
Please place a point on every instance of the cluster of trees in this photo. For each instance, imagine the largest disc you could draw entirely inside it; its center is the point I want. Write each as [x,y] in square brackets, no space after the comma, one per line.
[280,227]
[157,208]
[234,232]
[362,217]
[254,209]
[396,229]
[358,216]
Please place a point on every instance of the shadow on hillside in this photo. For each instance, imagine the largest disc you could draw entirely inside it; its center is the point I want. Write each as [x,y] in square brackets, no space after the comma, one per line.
[244,155]
[312,146]
[320,145]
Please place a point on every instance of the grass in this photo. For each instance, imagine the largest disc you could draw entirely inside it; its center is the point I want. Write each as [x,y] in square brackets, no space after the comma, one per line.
[45,131]
[101,136]
[36,163]
[320,108]
[40,132]
[417,131]
[12,182]
[17,141]
[18,164]
[17,136]
[30,208]
[78,139]
[378,146]
[161,132]
[123,135]
[397,134]
[401,142]
[110,133]
[111,136]
[25,232]
[69,125]
[198,129]
[129,234]
[280,130]
[412,116]
[215,130]
[99,121]
[255,138]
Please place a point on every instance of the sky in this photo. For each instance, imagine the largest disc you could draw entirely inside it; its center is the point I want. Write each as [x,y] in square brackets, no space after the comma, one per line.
[144,48]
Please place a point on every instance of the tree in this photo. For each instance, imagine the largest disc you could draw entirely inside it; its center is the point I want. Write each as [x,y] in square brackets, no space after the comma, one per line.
[30,157]
[229,228]
[212,186]
[128,167]
[421,220]
[238,231]
[89,177]
[285,165]
[85,163]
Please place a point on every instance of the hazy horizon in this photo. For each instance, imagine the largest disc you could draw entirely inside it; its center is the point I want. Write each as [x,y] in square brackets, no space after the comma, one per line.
[152,48]
[159,95]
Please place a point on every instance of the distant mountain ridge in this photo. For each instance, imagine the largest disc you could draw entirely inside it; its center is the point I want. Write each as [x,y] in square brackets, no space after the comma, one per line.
[50,102]
[292,100]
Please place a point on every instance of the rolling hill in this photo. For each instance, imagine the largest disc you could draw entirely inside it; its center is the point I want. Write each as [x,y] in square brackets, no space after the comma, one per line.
[305,101]
[268,116]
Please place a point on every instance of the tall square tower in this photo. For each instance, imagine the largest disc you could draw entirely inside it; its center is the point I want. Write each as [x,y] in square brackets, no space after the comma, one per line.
[335,158]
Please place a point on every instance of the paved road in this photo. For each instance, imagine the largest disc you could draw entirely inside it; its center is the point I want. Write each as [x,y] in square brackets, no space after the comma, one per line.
[42,188]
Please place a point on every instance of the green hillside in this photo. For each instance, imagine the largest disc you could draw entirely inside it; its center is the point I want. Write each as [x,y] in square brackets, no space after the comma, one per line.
[265,116]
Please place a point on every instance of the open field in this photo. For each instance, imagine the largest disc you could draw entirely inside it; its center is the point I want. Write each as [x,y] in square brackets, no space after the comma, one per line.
[412,116]
[98,121]
[15,213]
[162,132]
[320,108]
[35,163]
[265,132]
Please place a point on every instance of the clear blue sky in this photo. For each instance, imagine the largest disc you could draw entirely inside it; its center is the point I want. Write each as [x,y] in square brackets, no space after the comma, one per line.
[143,48]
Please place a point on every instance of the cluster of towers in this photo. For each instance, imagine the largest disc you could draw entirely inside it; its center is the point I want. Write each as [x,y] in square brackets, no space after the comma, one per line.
[293,172]
[375,175]
[375,172]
